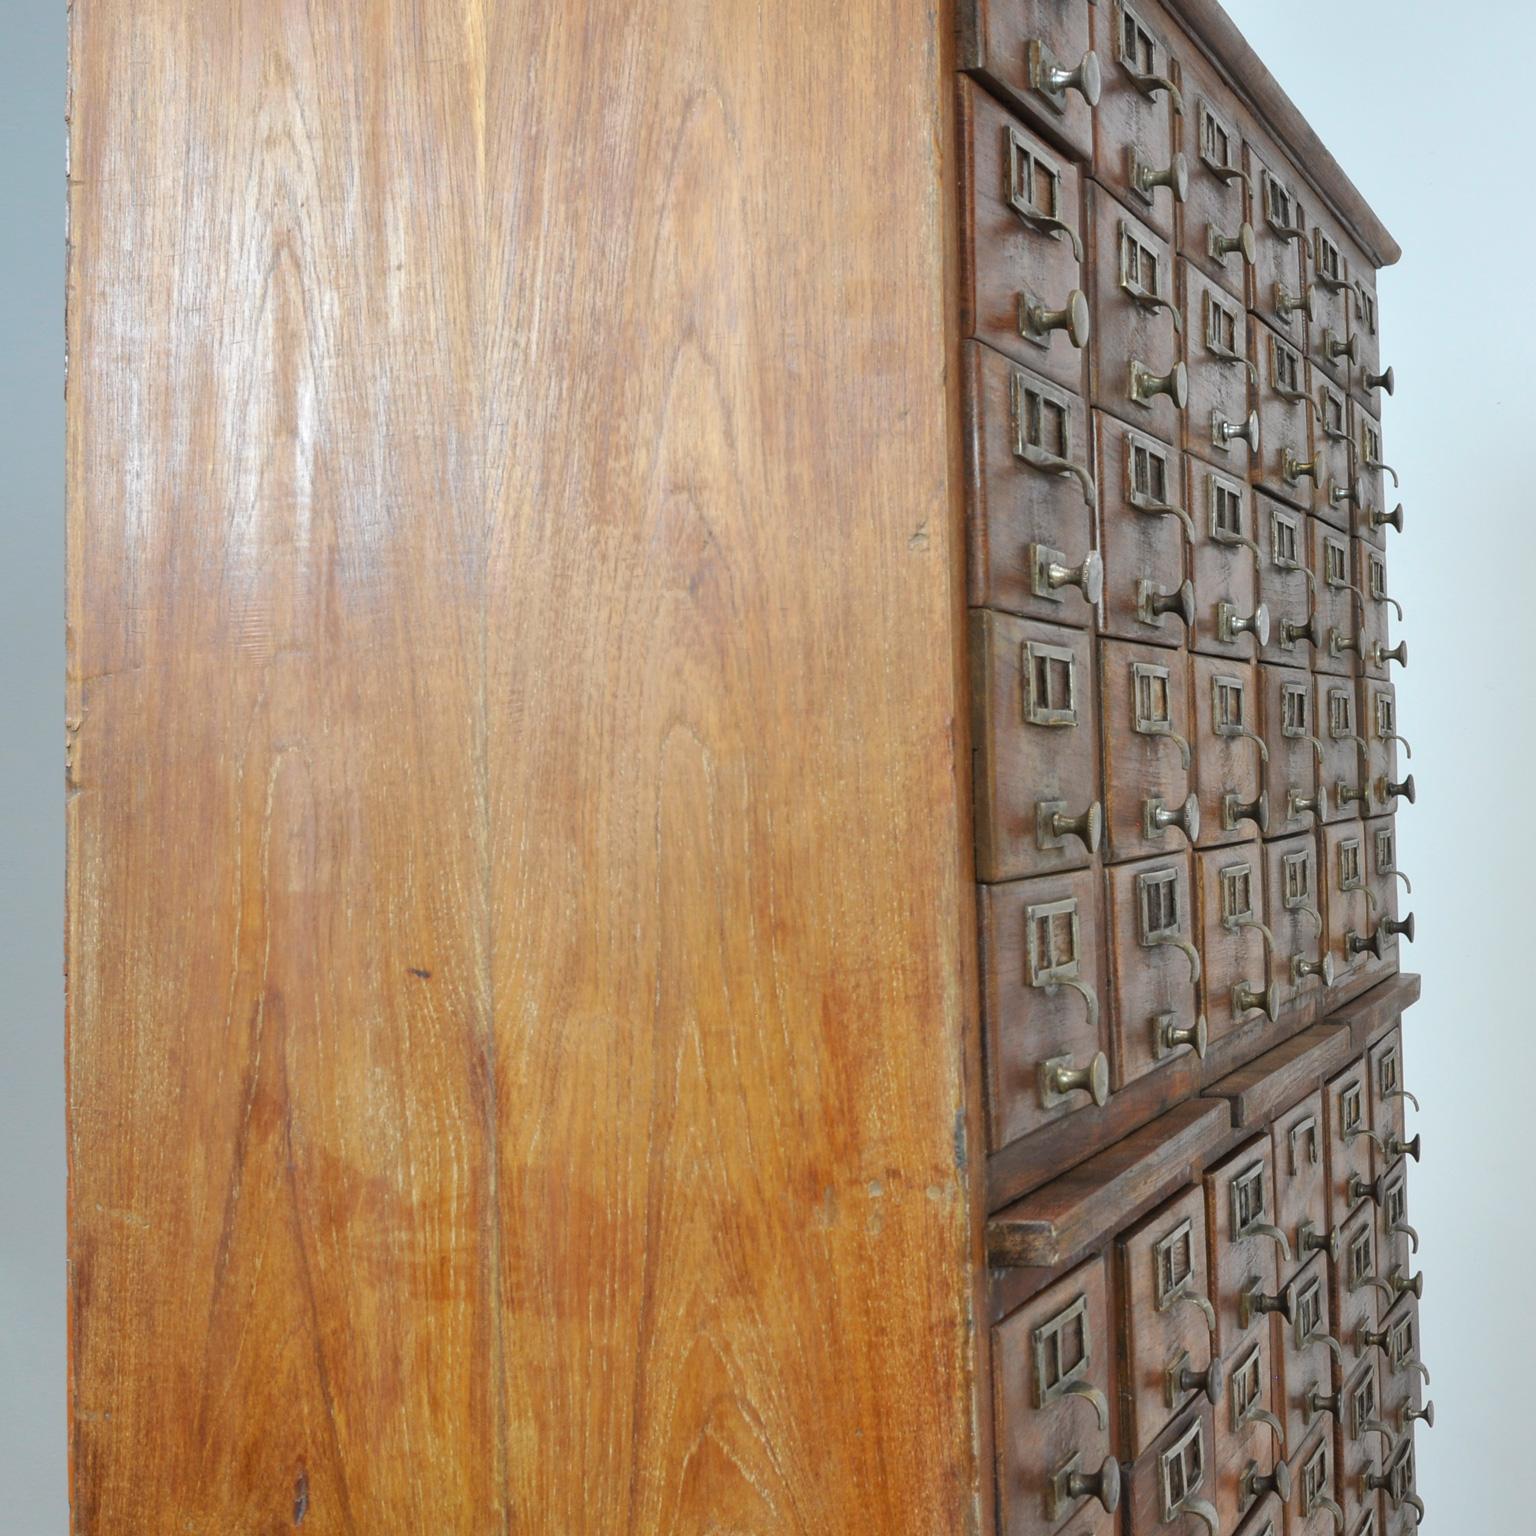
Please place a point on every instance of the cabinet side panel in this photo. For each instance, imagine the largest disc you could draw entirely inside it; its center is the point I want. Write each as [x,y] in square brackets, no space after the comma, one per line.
[727,904]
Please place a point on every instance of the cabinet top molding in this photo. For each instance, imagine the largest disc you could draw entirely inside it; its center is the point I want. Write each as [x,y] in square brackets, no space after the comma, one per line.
[1218,37]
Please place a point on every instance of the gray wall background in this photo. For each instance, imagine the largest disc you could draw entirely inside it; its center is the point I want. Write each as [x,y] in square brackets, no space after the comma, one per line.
[1448,168]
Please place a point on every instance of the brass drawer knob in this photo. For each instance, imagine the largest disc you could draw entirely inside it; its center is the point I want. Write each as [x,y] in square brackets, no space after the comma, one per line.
[1170,1035]
[1310,1240]
[1311,631]
[1296,470]
[1288,305]
[1334,348]
[1152,604]
[1255,1302]
[1317,804]
[1397,1496]
[1069,1485]
[1318,1401]
[1349,493]
[1339,642]
[1256,1484]
[1301,968]
[1246,998]
[1158,818]
[1345,793]
[1210,1383]
[1397,1147]
[1230,623]
[1146,179]
[1036,322]
[1358,1189]
[1412,1415]
[1386,790]
[1234,810]
[1246,431]
[1403,1285]
[1386,381]
[1379,655]
[1051,573]
[1393,926]
[1221,246]
[1146,385]
[1053,825]
[1358,944]
[1392,519]
[1053,80]
[1059,1079]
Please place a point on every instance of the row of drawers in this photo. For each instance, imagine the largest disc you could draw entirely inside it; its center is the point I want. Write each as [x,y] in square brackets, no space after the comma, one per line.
[1096,978]
[1126,751]
[1172,153]
[1158,546]
[1251,1343]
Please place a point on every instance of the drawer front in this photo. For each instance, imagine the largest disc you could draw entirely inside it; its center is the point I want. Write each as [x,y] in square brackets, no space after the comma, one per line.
[1173,1485]
[1023,287]
[1133,144]
[1384,1062]
[1357,1287]
[1032,495]
[1378,724]
[1338,602]
[1038,807]
[1229,750]
[1373,497]
[1346,1102]
[1305,1359]
[1315,1496]
[1386,880]
[1279,225]
[1148,751]
[1396,1239]
[1357,1448]
[1329,329]
[1284,465]
[1301,1184]
[1402,1367]
[1367,377]
[1334,495]
[1286,582]
[1138,372]
[1162,1275]
[1224,563]
[1347,907]
[1370,575]
[1042,960]
[1154,966]
[1022,48]
[1248,1432]
[1293,901]
[1246,1246]
[1052,1384]
[1389,924]
[1216,353]
[1295,751]
[1400,1498]
[1344,755]
[1236,983]
[1266,1518]
[1215,212]
[1141,488]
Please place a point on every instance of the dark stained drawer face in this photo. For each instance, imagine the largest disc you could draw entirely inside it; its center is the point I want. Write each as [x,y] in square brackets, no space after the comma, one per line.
[1032,493]
[1154,966]
[1315,1507]
[1229,750]
[1339,601]
[1138,369]
[1033,52]
[1307,1353]
[1284,465]
[1344,757]
[1214,213]
[1038,807]
[1133,144]
[1053,1385]
[1216,353]
[1286,584]
[1147,597]
[1295,755]
[1248,1432]
[1328,331]
[1334,452]
[1279,224]
[1246,1247]
[1237,979]
[1148,752]
[1301,1182]
[1166,1318]
[1224,564]
[1348,909]
[1173,1485]
[1044,1025]
[1023,287]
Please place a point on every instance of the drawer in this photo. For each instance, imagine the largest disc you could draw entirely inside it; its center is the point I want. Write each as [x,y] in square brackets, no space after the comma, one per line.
[1031,493]
[1358,1447]
[1166,1319]
[1224,563]
[1286,582]
[1238,982]
[1368,380]
[1381,857]
[1147,595]
[1148,754]
[1384,1063]
[1052,1389]
[1371,472]
[1400,1492]
[1154,967]
[1248,1434]
[1331,348]
[1138,373]
[1038,808]
[1172,1485]
[1133,148]
[1396,1239]
[1339,601]
[1037,54]
[1390,923]
[1216,235]
[1266,1518]
[1301,1181]
[1042,966]
[1334,452]
[1358,1293]
[1403,1377]
[1022,281]
[1378,723]
[1345,750]
[1284,465]
[1220,423]
[1346,1107]
[1315,1506]
[1246,1247]
[1293,901]
[1275,281]
[1346,903]
[1377,655]
[1229,751]
[1305,1359]
[1295,752]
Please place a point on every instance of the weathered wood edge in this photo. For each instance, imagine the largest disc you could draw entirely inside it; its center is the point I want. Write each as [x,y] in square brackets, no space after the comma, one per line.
[1270,1083]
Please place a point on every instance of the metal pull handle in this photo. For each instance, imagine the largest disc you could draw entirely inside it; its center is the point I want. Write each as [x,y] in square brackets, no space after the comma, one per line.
[1036,321]
[1053,80]
[1355,944]
[1176,941]
[1165,509]
[1051,573]
[1257,1415]
[1146,385]
[1185,1295]
[1051,464]
[1424,1416]
[1059,1078]
[1230,624]
[1224,432]
[1382,464]
[1146,179]
[1350,493]
[1235,810]
[1323,1502]
[1405,790]
[1379,655]
[1407,883]
[1053,825]
[1295,470]
[1315,916]
[1151,85]
[1301,968]
[1203,1512]
[1402,1093]
[1376,1427]
[1092,1395]
[1174,739]
[1402,1229]
[1169,1036]
[1296,805]
[1392,927]
[1392,519]
[1292,232]
[1377,1284]
[1152,604]
[1415,1503]
[1264,933]
[1210,1383]
[1386,381]
[1317,1336]
[1220,246]
[1374,1137]
[1414,1368]
[1402,741]
[1070,1485]
[1333,348]
[1255,1484]
[1288,304]
[1388,601]
[1246,998]
[1283,1243]
[1157,818]
[1310,631]
[1297,397]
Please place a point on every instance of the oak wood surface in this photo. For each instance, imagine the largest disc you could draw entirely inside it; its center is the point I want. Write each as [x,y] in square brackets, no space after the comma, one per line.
[518,905]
